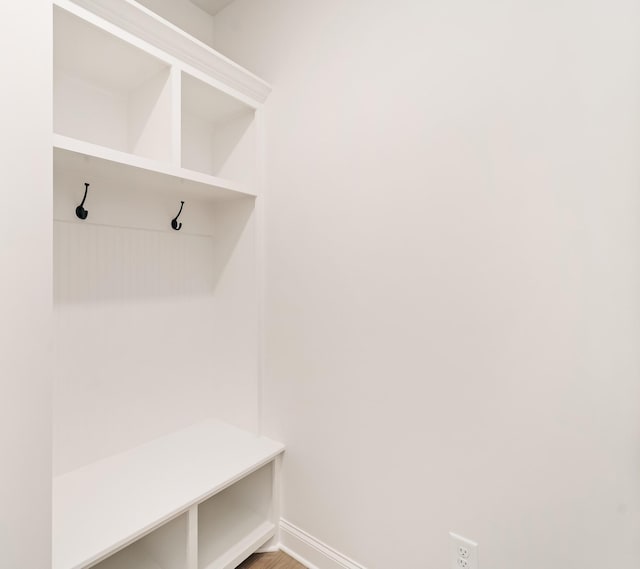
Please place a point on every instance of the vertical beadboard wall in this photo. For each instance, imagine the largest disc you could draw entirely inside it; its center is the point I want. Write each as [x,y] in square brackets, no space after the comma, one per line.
[155,328]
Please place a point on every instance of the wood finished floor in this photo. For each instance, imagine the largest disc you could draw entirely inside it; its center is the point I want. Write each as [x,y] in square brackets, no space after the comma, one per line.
[277,560]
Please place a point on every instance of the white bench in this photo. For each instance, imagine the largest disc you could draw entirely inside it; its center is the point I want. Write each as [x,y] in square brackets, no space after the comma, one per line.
[202,498]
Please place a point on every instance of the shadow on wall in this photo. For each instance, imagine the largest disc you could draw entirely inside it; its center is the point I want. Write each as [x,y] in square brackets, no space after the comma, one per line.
[101,263]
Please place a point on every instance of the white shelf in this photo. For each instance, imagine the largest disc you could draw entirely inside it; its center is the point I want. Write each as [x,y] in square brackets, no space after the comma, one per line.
[102,507]
[91,160]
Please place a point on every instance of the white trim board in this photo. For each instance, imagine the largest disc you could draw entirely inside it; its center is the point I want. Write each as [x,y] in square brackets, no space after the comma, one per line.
[310,551]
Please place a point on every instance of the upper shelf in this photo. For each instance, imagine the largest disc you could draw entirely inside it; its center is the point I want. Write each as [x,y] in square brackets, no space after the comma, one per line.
[106,505]
[158,32]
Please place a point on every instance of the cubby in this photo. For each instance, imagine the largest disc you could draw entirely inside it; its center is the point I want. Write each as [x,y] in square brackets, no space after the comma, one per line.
[236,520]
[109,92]
[218,132]
[164,548]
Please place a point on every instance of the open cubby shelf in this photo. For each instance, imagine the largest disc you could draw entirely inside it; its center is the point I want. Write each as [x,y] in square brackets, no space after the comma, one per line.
[217,131]
[121,100]
[140,500]
[164,548]
[235,519]
[109,92]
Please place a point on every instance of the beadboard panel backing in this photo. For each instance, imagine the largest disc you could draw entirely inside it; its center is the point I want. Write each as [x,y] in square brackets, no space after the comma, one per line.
[154,329]
[103,263]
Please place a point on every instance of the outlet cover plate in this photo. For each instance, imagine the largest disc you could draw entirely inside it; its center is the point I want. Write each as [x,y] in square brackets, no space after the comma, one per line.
[463,552]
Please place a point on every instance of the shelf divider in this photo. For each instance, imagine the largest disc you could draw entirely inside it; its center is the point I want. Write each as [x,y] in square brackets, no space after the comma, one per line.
[192,538]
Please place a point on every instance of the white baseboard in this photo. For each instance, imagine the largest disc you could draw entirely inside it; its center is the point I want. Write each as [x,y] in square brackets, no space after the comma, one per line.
[310,551]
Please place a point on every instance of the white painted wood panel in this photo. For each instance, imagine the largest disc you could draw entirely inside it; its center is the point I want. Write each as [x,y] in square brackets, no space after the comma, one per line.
[105,263]
[150,117]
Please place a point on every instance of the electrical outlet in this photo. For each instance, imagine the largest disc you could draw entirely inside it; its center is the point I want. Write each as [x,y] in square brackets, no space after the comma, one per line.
[464,552]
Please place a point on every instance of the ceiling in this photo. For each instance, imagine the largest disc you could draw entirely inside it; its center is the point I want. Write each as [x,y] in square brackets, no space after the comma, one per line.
[211,6]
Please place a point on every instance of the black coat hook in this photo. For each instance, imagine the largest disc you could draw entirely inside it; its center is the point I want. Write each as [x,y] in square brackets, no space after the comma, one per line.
[174,222]
[80,211]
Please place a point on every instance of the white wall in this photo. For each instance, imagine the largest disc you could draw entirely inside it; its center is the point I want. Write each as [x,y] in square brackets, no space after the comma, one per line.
[453,274]
[25,285]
